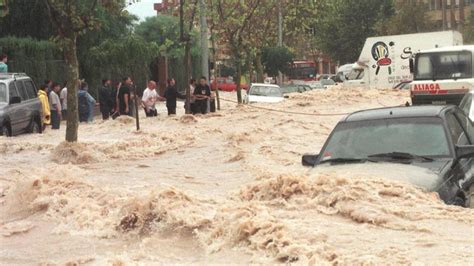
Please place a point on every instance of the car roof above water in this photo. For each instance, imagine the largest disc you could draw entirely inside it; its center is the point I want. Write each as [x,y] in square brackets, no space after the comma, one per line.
[265,85]
[398,112]
[12,76]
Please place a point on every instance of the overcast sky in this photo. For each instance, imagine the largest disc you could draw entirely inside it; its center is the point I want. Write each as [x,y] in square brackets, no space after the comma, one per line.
[143,9]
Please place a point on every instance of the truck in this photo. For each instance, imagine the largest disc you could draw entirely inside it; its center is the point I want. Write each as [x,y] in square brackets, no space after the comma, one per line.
[442,75]
[384,61]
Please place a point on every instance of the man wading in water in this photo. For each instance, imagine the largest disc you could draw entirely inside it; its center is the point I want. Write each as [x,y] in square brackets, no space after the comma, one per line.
[171,95]
[202,93]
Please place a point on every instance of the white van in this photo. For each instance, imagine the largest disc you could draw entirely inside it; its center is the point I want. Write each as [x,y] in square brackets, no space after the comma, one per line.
[443,75]
[384,61]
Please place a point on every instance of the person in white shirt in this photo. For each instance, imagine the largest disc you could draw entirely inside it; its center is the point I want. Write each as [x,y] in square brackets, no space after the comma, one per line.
[63,98]
[149,99]
[55,106]
[192,87]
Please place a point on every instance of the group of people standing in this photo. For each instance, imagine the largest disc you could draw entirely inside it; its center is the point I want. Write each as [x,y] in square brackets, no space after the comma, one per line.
[53,98]
[119,99]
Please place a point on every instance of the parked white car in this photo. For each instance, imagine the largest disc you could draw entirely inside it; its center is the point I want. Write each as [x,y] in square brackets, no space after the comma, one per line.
[467,104]
[264,93]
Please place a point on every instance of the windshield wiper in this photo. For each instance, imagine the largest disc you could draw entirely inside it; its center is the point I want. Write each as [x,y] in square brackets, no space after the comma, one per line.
[401,156]
[344,160]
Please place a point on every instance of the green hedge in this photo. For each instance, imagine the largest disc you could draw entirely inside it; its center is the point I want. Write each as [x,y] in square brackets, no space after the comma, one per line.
[41,60]
[113,59]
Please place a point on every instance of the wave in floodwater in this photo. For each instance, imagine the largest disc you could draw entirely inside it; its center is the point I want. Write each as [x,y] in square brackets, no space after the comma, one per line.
[272,217]
[251,196]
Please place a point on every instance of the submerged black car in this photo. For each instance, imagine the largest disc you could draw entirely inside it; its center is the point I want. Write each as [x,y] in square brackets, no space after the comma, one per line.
[429,146]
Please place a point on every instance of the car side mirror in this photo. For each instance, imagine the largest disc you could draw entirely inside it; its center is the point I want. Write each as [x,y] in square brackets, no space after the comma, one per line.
[412,65]
[465,151]
[309,159]
[15,100]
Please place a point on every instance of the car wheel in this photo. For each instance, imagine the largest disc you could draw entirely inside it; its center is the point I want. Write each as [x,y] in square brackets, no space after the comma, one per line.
[5,131]
[470,197]
[35,126]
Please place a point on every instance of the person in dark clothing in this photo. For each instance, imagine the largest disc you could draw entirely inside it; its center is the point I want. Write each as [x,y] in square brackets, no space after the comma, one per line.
[202,93]
[124,97]
[49,85]
[171,94]
[106,99]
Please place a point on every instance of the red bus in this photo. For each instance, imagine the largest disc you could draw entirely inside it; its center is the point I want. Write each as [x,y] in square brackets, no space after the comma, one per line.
[303,70]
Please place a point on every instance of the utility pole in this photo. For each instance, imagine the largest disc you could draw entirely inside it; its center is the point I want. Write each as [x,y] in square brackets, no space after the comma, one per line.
[204,40]
[186,60]
[280,37]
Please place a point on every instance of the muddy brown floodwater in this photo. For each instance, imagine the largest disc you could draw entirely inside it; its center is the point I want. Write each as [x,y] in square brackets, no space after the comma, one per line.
[226,188]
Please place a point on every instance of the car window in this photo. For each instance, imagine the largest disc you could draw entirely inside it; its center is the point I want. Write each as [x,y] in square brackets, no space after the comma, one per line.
[456,130]
[30,89]
[419,136]
[467,124]
[266,91]
[3,93]
[12,91]
[21,90]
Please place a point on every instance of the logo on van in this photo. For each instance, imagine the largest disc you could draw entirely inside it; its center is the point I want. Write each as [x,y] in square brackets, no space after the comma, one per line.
[380,53]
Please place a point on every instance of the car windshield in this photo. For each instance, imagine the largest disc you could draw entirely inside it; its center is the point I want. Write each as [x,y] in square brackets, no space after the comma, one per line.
[3,93]
[289,89]
[266,91]
[356,74]
[448,65]
[422,137]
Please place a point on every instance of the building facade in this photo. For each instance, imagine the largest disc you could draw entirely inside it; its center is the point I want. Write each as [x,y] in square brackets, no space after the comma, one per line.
[448,14]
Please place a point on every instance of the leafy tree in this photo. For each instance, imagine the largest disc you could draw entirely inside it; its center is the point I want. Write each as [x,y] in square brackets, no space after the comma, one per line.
[277,59]
[262,31]
[164,31]
[113,26]
[73,18]
[40,59]
[232,18]
[409,17]
[343,25]
[27,18]
[299,21]
[122,57]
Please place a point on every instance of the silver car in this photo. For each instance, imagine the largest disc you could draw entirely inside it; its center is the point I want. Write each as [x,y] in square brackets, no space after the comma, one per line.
[20,108]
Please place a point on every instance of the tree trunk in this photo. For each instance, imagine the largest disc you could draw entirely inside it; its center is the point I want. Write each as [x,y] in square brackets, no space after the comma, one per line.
[70,56]
[461,16]
[259,68]
[204,41]
[238,79]
[187,65]
[444,14]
